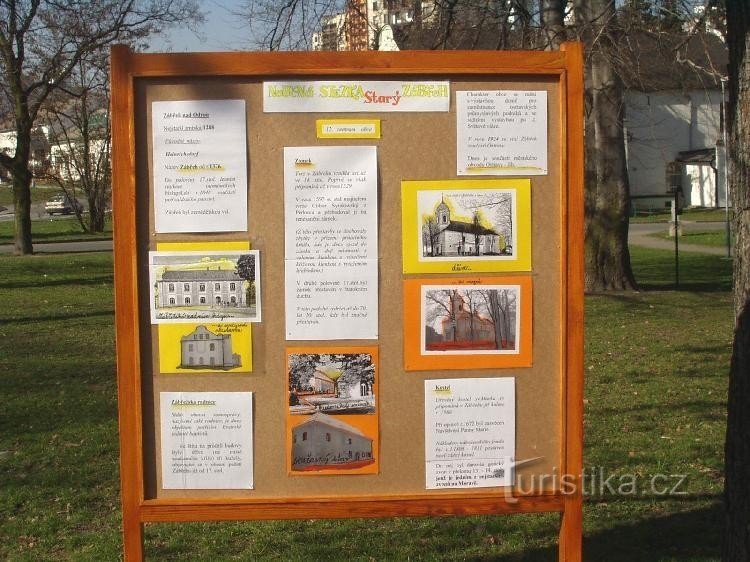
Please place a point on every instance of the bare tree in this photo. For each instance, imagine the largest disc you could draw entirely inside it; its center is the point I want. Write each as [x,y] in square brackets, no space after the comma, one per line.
[605,27]
[736,545]
[607,192]
[440,303]
[430,233]
[79,124]
[286,25]
[41,43]
[501,307]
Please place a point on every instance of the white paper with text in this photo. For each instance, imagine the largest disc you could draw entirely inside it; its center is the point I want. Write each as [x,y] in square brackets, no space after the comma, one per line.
[200,165]
[501,132]
[331,240]
[207,440]
[470,428]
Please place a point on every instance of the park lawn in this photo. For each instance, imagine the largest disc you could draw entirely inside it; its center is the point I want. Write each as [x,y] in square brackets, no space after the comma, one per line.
[47,230]
[39,194]
[694,214]
[656,365]
[716,238]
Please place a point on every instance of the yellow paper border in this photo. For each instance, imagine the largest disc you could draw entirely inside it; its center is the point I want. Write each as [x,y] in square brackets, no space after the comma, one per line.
[166,331]
[203,246]
[411,225]
[320,123]
[169,348]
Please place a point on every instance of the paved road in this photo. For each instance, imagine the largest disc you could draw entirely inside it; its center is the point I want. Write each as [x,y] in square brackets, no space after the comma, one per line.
[60,247]
[639,234]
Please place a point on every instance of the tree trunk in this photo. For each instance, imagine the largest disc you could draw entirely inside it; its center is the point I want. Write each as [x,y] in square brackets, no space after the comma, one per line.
[736,544]
[22,208]
[607,190]
[497,318]
[553,22]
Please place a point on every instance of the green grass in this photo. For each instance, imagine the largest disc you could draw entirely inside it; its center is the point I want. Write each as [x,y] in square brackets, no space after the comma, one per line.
[656,364]
[714,238]
[654,269]
[39,194]
[46,230]
[695,214]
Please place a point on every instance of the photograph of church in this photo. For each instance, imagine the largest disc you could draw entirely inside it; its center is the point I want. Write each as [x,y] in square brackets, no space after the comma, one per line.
[469,224]
[203,348]
[470,319]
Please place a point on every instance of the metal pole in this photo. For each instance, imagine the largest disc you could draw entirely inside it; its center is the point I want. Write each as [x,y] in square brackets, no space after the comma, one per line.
[725,160]
[676,243]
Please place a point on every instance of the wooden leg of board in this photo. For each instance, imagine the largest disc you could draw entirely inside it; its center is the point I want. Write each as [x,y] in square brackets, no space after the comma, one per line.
[132,539]
[571,530]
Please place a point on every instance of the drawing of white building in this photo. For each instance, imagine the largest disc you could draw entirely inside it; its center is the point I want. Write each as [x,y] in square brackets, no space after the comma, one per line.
[200,287]
[323,440]
[203,348]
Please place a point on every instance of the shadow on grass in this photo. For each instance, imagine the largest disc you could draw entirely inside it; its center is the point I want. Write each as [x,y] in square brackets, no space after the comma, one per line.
[42,283]
[654,270]
[692,535]
[56,317]
[694,406]
[688,287]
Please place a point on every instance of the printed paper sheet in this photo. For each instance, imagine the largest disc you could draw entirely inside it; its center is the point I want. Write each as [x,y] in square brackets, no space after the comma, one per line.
[200,165]
[207,440]
[330,202]
[470,428]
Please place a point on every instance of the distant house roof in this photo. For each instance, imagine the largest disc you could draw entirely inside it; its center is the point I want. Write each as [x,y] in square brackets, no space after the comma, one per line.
[702,156]
[200,275]
[468,228]
[652,61]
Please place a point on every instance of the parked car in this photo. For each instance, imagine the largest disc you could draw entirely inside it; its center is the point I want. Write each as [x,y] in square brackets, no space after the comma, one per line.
[63,204]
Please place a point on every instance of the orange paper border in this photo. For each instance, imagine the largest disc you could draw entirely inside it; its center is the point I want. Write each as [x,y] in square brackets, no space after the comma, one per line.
[415,361]
[367,423]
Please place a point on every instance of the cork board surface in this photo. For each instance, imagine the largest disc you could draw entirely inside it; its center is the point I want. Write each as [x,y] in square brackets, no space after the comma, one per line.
[413,146]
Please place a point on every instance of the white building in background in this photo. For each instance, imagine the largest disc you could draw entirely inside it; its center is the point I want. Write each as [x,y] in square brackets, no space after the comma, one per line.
[673,126]
[40,147]
[674,120]
[358,26]
[332,35]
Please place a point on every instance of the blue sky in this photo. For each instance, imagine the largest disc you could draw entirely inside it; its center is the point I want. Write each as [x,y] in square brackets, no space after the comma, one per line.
[221,31]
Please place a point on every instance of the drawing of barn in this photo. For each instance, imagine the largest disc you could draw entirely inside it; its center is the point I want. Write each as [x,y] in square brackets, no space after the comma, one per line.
[323,441]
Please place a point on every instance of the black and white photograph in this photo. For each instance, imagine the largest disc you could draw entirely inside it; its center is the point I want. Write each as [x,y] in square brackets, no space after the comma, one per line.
[331,383]
[466,224]
[210,286]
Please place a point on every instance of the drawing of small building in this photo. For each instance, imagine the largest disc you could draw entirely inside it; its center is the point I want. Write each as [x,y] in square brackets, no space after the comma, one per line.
[458,238]
[203,348]
[321,383]
[200,287]
[323,440]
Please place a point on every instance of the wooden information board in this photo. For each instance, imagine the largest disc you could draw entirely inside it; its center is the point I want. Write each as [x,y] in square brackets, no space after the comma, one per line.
[412,146]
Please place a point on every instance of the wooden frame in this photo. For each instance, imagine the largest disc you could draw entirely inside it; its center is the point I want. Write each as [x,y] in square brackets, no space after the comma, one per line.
[564,68]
